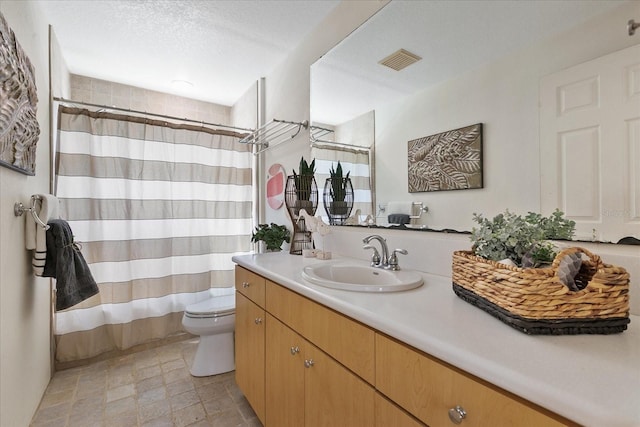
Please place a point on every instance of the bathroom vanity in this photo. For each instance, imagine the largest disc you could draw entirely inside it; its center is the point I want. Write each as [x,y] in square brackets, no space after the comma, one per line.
[308,355]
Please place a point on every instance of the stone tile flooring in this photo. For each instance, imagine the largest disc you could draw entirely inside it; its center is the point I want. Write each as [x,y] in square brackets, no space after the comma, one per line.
[149,388]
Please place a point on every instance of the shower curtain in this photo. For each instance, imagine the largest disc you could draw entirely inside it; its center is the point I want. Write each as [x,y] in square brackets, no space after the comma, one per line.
[354,160]
[158,210]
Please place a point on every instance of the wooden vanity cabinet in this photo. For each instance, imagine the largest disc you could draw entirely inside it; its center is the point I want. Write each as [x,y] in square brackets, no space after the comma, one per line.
[300,363]
[250,339]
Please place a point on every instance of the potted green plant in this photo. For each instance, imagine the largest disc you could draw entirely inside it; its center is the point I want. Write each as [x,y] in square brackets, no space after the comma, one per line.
[273,235]
[303,180]
[304,184]
[338,190]
[523,240]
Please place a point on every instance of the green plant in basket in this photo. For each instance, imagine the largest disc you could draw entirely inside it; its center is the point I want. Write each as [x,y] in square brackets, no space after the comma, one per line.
[523,240]
[273,235]
[338,183]
[304,179]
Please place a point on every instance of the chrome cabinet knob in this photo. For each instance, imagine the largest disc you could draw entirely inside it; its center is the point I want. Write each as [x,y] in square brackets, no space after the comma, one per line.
[295,350]
[246,284]
[308,363]
[258,321]
[457,414]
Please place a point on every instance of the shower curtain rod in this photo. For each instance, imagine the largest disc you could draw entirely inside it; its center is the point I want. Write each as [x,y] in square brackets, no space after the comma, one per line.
[319,143]
[106,107]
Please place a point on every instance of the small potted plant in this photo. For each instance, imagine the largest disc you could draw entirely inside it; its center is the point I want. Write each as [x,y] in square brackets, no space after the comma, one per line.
[273,235]
[335,192]
[522,240]
[304,185]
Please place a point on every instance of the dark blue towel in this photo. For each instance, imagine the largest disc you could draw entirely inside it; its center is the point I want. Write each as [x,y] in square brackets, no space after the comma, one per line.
[65,263]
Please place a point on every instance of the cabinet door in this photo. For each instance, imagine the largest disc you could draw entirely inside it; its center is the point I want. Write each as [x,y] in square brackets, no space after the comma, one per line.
[334,397]
[284,376]
[250,352]
[388,414]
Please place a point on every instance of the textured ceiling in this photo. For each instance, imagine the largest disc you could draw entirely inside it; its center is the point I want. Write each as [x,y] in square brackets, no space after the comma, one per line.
[222,47]
[452,37]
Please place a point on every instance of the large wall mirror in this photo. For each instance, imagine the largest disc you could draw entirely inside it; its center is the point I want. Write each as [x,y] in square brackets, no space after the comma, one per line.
[478,62]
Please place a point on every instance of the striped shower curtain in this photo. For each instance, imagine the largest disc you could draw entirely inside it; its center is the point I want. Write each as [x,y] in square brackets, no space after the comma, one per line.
[158,209]
[355,160]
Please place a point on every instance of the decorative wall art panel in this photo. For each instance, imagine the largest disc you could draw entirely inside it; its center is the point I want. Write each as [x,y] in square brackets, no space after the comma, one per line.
[19,129]
[449,160]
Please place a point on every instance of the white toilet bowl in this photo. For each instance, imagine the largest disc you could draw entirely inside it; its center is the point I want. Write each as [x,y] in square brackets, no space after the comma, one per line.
[214,320]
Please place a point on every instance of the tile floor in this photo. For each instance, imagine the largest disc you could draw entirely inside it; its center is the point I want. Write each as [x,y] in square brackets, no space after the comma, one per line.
[149,388]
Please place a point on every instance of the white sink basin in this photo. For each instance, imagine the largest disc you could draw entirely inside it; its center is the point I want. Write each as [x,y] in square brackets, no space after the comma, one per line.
[360,277]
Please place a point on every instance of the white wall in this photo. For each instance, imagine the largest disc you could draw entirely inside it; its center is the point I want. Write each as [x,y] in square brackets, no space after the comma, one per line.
[24,299]
[504,97]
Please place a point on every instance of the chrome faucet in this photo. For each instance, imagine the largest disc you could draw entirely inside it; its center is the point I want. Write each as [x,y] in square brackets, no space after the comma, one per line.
[382,259]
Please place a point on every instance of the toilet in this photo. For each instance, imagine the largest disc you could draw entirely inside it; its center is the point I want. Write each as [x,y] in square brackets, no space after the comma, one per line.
[214,321]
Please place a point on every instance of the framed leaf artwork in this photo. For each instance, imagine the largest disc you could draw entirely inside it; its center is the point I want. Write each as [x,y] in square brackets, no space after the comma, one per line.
[19,129]
[449,160]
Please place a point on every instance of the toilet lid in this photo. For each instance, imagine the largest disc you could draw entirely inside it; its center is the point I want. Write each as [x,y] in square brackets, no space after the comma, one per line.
[212,307]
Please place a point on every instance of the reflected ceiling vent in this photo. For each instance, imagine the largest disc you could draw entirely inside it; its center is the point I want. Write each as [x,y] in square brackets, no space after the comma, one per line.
[400,59]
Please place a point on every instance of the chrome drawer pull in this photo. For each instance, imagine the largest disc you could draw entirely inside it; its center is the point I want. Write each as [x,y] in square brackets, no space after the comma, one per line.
[457,414]
[245,284]
[308,363]
[258,320]
[295,350]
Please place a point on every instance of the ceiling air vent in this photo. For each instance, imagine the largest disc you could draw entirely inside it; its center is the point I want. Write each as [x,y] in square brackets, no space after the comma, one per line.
[400,59]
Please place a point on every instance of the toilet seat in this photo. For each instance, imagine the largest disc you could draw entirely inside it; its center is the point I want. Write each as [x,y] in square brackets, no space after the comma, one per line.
[218,306]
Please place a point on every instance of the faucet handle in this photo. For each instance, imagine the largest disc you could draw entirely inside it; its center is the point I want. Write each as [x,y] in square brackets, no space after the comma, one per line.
[393,259]
[375,258]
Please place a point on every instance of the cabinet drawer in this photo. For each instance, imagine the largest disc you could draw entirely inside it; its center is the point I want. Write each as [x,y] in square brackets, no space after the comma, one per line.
[428,389]
[250,285]
[344,339]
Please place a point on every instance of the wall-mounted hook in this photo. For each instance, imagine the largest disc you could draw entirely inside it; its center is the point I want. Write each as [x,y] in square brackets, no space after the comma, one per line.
[19,209]
[632,26]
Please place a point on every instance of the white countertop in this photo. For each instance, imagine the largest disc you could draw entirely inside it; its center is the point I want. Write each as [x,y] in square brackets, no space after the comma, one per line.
[593,380]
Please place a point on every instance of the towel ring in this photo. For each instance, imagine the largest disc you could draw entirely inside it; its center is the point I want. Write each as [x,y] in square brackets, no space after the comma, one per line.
[19,209]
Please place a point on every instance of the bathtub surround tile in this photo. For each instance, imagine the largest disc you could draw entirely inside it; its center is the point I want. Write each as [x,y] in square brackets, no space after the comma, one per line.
[151,388]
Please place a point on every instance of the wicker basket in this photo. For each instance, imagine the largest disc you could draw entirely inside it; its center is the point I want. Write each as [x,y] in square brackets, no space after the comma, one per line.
[535,301]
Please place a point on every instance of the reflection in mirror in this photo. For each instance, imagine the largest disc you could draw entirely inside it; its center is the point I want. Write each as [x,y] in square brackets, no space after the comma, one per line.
[481,62]
[352,144]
